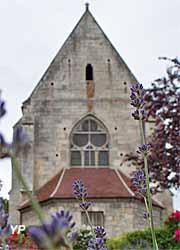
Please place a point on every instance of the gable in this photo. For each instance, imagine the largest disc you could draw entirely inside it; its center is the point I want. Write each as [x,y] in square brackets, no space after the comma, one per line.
[86,44]
[86,77]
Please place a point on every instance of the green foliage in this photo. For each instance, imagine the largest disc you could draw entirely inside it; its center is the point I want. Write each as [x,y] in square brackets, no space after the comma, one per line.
[6,205]
[141,240]
[82,240]
[131,241]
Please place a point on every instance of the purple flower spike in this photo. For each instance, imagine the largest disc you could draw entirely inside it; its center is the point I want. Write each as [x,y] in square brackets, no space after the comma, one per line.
[85,205]
[2,109]
[2,141]
[5,232]
[3,219]
[143,149]
[59,231]
[61,221]
[97,244]
[137,101]
[79,189]
[37,235]
[5,228]
[139,182]
[100,232]
[19,137]
[145,215]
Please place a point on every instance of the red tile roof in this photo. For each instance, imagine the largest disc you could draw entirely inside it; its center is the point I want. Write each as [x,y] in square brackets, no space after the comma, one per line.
[100,183]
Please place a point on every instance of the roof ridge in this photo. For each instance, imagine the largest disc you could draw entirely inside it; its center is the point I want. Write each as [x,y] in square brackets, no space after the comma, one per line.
[157,201]
[86,12]
[123,182]
[58,183]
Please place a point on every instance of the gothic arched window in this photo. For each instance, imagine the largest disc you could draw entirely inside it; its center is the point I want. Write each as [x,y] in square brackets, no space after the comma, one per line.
[89,144]
[89,72]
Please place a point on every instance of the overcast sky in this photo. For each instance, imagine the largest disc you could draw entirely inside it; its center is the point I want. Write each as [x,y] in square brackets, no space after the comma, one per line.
[32,31]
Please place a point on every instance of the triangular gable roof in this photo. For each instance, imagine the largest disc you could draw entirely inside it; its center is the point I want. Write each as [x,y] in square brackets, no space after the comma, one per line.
[87,12]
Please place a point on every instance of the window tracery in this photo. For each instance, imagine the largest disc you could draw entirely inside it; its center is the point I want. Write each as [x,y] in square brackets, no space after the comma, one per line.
[89,144]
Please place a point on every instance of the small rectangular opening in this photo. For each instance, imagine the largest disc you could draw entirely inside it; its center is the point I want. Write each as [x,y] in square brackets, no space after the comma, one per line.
[97,218]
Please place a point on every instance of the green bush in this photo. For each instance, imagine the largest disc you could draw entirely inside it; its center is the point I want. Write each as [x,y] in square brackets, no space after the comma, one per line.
[82,240]
[130,241]
[141,240]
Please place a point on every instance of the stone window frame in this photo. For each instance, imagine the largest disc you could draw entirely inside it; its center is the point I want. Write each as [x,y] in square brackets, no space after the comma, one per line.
[98,153]
[97,218]
[89,72]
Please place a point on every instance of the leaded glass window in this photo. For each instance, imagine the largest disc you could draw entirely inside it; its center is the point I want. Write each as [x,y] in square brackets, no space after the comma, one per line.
[89,144]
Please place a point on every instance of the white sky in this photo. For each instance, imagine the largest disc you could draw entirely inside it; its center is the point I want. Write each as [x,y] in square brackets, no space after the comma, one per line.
[32,31]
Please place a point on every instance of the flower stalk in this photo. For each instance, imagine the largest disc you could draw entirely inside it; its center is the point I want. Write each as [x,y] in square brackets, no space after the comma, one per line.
[98,240]
[55,235]
[88,218]
[35,205]
[149,196]
[142,182]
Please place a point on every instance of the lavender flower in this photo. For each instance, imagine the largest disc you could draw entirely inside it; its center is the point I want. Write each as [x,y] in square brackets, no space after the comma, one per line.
[85,205]
[97,244]
[100,232]
[3,219]
[145,215]
[2,108]
[2,141]
[139,182]
[5,232]
[136,114]
[59,230]
[137,101]
[80,191]
[19,137]
[143,149]
[5,228]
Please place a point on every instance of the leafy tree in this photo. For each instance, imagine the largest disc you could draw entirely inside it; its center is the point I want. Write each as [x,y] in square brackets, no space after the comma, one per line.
[163,109]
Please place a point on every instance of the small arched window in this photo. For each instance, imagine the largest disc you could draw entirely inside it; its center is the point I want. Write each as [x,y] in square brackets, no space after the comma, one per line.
[89,144]
[89,72]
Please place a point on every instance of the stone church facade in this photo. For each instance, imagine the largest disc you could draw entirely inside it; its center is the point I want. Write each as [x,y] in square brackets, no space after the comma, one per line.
[79,125]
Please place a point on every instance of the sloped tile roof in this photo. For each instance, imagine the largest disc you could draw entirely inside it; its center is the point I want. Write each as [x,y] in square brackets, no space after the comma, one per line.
[101,183]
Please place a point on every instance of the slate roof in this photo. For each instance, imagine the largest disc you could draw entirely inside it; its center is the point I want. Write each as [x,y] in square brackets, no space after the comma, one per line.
[101,183]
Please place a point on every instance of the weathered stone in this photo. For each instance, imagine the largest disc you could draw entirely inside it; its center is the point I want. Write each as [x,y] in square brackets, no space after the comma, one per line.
[59,101]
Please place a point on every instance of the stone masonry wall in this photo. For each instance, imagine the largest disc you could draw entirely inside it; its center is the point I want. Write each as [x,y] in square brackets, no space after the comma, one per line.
[60,100]
[121,215]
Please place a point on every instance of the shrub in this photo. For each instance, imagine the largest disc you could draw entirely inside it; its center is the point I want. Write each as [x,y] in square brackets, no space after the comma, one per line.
[136,240]
[83,238]
[141,240]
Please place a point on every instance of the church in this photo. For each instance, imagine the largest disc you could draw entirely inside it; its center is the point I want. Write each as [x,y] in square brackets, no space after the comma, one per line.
[78,121]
